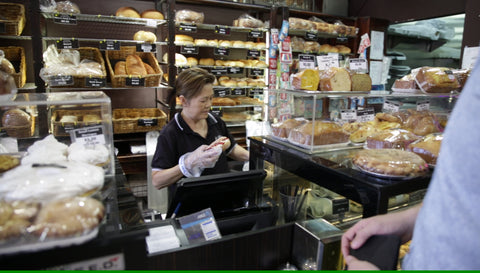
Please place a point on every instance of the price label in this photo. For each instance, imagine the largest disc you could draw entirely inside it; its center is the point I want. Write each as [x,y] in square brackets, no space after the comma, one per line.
[255,92]
[221,51]
[238,92]
[221,92]
[348,114]
[306,61]
[151,23]
[358,64]
[134,81]
[187,27]
[67,43]
[364,115]
[109,45]
[423,105]
[146,47]
[91,135]
[217,111]
[188,49]
[222,30]
[257,72]
[235,70]
[324,62]
[64,19]
[61,80]
[95,82]
[340,205]
[310,35]
[147,122]
[342,40]
[255,34]
[391,106]
[219,71]
[253,53]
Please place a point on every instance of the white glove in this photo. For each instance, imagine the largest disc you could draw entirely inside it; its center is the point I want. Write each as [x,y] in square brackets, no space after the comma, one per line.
[192,164]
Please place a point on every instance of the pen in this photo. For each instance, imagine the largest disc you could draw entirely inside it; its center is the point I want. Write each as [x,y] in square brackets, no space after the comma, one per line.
[176,210]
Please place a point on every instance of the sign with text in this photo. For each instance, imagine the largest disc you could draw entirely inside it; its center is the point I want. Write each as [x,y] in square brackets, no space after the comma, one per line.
[91,135]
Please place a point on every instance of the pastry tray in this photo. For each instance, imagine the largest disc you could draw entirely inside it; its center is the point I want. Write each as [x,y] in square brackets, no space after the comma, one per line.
[385,176]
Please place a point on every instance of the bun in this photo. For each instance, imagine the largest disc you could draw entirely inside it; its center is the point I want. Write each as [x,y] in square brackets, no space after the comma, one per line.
[335,79]
[149,69]
[260,45]
[145,36]
[180,38]
[179,59]
[201,42]
[238,44]
[192,61]
[223,141]
[127,12]
[311,46]
[134,65]
[206,61]
[225,43]
[7,67]
[17,123]
[152,14]
[67,7]
[212,42]
[120,68]
[343,49]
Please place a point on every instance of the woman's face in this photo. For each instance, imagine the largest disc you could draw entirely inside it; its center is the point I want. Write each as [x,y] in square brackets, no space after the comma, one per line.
[198,107]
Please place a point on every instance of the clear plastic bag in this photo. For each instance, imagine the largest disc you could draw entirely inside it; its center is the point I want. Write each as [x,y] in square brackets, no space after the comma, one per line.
[189,16]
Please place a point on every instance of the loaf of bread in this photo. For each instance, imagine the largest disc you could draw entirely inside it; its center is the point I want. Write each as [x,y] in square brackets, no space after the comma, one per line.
[299,23]
[127,12]
[192,61]
[183,39]
[326,48]
[282,129]
[436,80]
[149,69]
[297,43]
[246,20]
[152,14]
[391,139]
[17,123]
[67,7]
[343,49]
[335,79]
[206,61]
[134,65]
[307,79]
[318,133]
[311,46]
[405,84]
[219,101]
[427,148]
[145,36]
[361,82]
[189,16]
[120,68]
[179,59]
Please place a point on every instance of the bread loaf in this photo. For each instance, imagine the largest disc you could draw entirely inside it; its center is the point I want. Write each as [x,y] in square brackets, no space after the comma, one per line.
[323,133]
[7,67]
[219,101]
[335,79]
[307,79]
[192,61]
[152,14]
[427,148]
[127,12]
[149,69]
[436,80]
[206,61]
[145,36]
[394,139]
[189,16]
[361,82]
[16,117]
[120,68]
[183,39]
[343,49]
[134,65]
[299,23]
[282,129]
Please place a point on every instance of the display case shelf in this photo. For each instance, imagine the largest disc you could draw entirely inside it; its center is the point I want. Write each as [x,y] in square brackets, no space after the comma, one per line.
[108,19]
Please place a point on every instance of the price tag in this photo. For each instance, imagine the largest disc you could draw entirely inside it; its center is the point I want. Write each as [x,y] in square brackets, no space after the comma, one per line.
[151,23]
[235,70]
[253,53]
[61,80]
[311,35]
[348,114]
[423,105]
[340,205]
[221,51]
[257,72]
[65,19]
[91,135]
[189,49]
[221,92]
[95,82]
[306,61]
[364,115]
[109,45]
[255,92]
[217,111]
[219,71]
[67,43]
[390,106]
[238,92]
[358,64]
[146,47]
[188,27]
[222,30]
[255,34]
[134,81]
[342,40]
[147,122]
[324,62]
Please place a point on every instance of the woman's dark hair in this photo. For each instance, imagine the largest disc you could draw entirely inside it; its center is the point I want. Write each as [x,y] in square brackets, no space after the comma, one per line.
[190,82]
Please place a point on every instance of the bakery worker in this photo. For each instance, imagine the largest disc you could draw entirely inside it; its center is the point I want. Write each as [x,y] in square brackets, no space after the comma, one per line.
[182,145]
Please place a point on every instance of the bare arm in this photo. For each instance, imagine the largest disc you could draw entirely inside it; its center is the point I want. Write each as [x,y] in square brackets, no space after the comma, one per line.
[165,178]
[239,153]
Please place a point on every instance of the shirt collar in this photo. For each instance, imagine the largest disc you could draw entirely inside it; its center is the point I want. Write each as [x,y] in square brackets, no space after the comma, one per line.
[182,125]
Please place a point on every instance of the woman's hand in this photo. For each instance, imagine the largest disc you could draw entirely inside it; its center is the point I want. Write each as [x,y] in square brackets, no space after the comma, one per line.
[192,164]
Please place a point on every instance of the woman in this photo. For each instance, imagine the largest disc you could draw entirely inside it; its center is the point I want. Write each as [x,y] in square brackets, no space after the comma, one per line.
[182,144]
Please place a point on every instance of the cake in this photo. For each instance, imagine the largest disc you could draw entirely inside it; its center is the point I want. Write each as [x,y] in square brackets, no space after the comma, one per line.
[335,79]
[307,79]
[390,162]
[361,82]
[436,80]
[427,148]
[394,138]
[318,133]
[282,129]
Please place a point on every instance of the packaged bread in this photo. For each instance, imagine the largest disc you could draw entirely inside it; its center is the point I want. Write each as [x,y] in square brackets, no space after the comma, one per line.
[326,48]
[134,65]
[222,101]
[127,12]
[189,16]
[17,123]
[391,139]
[436,80]
[152,14]
[405,84]
[320,25]
[427,147]
[318,133]
[282,129]
[421,123]
[299,23]
[361,82]
[311,46]
[67,7]
[461,75]
[340,28]
[335,79]
[307,79]
[145,36]
[245,20]
[297,43]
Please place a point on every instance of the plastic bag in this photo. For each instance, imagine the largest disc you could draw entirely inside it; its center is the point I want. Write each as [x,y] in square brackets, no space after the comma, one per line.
[189,16]
[246,20]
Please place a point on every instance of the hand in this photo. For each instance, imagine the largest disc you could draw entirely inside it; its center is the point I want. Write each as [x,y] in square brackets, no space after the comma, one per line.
[356,264]
[192,164]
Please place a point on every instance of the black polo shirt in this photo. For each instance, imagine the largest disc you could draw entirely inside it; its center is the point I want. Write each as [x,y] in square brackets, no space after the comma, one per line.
[177,139]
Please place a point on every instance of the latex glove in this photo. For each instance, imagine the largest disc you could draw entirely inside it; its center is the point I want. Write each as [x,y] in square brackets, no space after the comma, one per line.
[192,164]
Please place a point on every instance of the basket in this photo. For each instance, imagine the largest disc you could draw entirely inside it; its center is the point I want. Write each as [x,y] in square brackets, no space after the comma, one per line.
[89,53]
[16,55]
[12,16]
[134,120]
[60,128]
[113,56]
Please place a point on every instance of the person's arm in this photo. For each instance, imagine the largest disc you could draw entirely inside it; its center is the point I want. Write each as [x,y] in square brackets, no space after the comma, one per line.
[399,223]
[239,153]
[164,178]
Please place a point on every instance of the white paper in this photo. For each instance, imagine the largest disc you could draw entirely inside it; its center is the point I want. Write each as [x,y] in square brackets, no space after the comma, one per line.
[162,238]
[376,49]
[376,71]
[470,55]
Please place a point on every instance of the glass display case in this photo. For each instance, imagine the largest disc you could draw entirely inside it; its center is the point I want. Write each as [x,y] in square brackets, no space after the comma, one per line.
[80,118]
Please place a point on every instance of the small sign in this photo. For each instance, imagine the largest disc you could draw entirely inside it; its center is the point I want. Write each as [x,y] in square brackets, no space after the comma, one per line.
[217,111]
[391,106]
[222,30]
[134,81]
[358,64]
[221,92]
[146,47]
[95,82]
[364,115]
[311,35]
[255,34]
[219,71]
[109,45]
[147,122]
[257,72]
[222,51]
[235,70]
[188,27]
[423,105]
[90,135]
[65,19]
[253,53]
[200,226]
[324,62]
[306,61]
[348,114]
[61,80]
[255,92]
[189,49]
[340,205]
[342,40]
[238,92]
[67,43]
